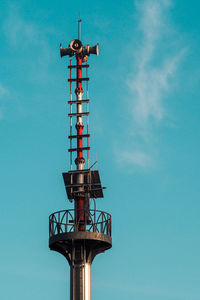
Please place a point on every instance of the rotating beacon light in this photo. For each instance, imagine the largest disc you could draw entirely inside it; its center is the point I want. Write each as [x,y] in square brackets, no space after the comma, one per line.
[80,233]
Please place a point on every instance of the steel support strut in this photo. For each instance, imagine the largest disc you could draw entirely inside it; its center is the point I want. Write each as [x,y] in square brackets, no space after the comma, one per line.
[80,274]
[80,282]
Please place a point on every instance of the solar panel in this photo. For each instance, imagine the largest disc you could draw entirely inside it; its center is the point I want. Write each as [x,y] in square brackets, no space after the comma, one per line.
[91,186]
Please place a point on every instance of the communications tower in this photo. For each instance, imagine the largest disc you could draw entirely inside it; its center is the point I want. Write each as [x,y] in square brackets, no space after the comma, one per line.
[80,233]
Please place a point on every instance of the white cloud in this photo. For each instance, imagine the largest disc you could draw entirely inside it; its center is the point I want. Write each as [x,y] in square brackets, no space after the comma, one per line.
[17,30]
[155,63]
[136,158]
[3,93]
[30,48]
[153,66]
[148,88]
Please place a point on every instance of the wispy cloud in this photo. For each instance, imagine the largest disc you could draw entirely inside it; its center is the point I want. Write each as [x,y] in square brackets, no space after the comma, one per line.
[154,67]
[3,94]
[26,34]
[137,158]
[17,30]
[148,89]
[155,63]
[29,46]
[3,91]
[21,31]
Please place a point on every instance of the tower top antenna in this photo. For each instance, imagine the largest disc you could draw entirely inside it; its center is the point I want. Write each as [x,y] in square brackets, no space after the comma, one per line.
[79,27]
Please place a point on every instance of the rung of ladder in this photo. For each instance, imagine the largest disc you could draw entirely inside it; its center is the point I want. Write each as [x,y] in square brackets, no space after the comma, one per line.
[79,101]
[78,79]
[79,149]
[76,67]
[78,136]
[79,114]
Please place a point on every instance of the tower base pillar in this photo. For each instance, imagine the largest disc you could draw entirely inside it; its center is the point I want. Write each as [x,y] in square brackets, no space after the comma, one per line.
[80,281]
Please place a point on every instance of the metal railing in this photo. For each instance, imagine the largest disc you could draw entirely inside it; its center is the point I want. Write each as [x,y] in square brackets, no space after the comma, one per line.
[65,221]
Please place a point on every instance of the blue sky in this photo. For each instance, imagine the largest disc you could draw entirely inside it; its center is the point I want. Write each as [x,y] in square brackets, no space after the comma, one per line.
[144,125]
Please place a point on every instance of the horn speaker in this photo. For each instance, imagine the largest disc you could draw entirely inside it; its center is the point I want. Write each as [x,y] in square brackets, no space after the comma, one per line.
[76,46]
[92,50]
[66,51]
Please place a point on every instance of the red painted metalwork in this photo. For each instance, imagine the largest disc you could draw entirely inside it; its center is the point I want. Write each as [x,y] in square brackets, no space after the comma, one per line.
[79,126]
[79,28]
[77,136]
[81,200]
[79,89]
[79,149]
[75,67]
[71,112]
[87,122]
[80,79]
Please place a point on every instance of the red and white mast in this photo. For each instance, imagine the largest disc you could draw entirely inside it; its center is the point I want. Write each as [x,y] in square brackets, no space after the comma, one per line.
[81,203]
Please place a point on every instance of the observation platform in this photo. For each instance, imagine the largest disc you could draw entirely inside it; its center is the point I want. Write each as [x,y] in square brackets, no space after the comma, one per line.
[64,232]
